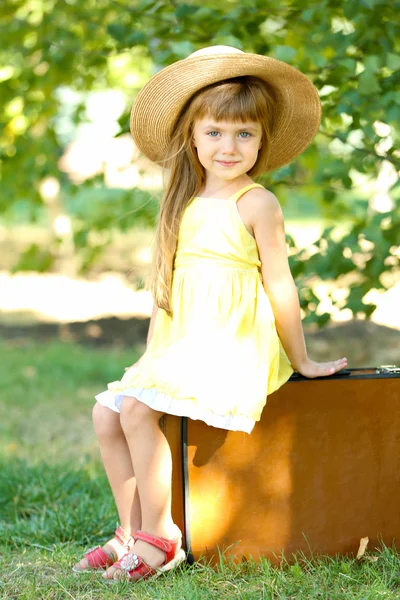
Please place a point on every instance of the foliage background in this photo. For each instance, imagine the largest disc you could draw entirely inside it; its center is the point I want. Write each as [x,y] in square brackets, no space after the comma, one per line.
[349,49]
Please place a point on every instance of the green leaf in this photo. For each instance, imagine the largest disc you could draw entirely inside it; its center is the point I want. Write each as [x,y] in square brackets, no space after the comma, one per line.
[308,14]
[354,300]
[137,38]
[146,5]
[369,3]
[34,258]
[323,319]
[182,49]
[205,14]
[117,31]
[329,195]
[350,64]
[372,62]
[285,53]
[393,61]
[368,84]
[185,10]
[369,309]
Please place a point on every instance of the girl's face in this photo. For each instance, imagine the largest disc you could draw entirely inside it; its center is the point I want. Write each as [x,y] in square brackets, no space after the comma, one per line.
[226,149]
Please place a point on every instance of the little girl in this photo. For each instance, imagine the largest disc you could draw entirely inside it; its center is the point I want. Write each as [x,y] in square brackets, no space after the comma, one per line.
[226,329]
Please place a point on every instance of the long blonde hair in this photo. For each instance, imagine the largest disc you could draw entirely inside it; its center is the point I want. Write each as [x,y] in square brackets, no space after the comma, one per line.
[239,99]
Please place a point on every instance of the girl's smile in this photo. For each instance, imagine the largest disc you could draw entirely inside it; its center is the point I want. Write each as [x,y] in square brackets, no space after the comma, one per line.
[226,149]
[226,163]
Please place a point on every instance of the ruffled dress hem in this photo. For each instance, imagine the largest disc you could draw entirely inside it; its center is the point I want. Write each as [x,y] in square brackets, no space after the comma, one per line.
[181,408]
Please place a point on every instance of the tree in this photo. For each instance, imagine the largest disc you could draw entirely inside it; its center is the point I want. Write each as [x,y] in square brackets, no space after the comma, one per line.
[349,50]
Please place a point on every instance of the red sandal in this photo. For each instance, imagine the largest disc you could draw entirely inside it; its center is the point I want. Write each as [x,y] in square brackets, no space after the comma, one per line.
[135,568]
[99,559]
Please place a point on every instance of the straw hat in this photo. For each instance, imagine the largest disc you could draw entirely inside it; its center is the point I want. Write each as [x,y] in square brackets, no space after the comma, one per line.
[159,103]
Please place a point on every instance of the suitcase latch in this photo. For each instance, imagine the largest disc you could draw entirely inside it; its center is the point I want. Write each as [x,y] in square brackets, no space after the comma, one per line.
[388,369]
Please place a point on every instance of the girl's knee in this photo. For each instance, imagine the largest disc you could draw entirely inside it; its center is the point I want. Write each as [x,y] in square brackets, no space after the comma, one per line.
[134,413]
[106,422]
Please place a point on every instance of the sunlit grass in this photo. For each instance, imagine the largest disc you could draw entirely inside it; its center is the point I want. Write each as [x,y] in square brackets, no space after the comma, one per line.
[47,393]
[55,500]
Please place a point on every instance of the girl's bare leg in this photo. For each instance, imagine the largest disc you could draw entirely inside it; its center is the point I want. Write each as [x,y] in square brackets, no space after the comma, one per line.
[118,466]
[152,463]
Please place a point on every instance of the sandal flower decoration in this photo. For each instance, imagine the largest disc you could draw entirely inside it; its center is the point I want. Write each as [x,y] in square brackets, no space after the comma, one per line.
[129,562]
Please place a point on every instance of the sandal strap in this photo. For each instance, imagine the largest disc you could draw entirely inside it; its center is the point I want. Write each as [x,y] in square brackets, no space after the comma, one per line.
[98,559]
[123,539]
[167,546]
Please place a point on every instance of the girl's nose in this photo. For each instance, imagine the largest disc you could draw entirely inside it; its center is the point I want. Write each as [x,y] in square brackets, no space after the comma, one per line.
[228,145]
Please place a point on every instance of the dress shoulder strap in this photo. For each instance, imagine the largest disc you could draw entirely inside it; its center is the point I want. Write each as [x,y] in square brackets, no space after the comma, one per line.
[235,197]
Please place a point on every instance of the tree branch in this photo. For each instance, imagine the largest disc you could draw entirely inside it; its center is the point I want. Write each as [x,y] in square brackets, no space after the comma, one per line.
[393,161]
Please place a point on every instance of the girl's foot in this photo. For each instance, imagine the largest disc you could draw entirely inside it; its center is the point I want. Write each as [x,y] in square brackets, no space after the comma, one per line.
[103,557]
[150,556]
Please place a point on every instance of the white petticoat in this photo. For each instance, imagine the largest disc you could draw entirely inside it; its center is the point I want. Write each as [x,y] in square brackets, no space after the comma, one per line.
[181,408]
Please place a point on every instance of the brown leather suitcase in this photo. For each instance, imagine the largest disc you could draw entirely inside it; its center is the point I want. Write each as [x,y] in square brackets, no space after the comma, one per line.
[320,470]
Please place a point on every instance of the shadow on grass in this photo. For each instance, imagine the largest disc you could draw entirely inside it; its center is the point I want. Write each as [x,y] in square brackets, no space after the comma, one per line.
[47,511]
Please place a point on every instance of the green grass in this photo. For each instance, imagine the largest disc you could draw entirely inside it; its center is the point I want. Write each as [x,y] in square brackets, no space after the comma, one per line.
[46,574]
[55,500]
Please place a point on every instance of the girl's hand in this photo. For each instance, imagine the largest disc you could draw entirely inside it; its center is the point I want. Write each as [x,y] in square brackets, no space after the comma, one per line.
[313,369]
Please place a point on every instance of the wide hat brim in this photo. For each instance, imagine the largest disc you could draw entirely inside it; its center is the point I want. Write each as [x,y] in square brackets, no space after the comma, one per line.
[160,102]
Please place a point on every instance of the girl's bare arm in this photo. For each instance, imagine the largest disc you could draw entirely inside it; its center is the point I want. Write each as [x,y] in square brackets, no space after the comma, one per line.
[269,232]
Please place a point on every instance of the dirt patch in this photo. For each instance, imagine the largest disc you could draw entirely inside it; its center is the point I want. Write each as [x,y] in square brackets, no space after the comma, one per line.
[365,344]
[96,333]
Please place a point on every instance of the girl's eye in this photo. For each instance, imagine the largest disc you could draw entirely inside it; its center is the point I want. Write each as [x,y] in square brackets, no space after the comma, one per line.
[243,134]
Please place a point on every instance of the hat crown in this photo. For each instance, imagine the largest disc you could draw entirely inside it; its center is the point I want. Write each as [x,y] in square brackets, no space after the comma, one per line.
[219,49]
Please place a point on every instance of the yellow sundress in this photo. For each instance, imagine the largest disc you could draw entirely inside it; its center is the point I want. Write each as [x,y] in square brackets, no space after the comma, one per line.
[219,356]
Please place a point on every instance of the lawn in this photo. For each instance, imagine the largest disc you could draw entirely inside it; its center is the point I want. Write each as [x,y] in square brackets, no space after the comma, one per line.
[55,500]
